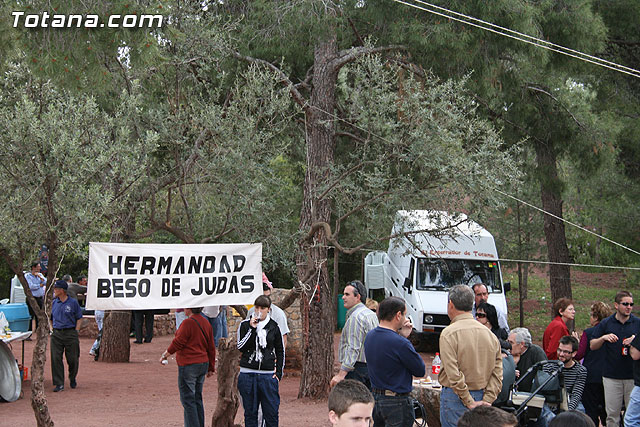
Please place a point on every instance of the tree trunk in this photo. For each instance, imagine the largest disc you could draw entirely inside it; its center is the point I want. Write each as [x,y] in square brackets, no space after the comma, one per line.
[39,358]
[289,298]
[317,364]
[39,402]
[242,310]
[559,275]
[227,370]
[115,346]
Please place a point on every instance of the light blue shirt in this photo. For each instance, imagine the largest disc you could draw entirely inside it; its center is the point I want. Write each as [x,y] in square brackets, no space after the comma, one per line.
[34,284]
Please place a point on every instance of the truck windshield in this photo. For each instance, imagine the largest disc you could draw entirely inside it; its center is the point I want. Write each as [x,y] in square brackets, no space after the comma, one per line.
[442,274]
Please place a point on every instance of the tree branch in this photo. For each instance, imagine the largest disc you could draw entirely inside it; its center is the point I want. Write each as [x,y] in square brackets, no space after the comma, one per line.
[352,136]
[495,115]
[297,96]
[341,177]
[350,55]
[362,205]
[315,227]
[540,90]
[306,83]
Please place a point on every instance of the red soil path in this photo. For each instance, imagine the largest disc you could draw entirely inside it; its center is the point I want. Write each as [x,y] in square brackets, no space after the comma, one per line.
[142,393]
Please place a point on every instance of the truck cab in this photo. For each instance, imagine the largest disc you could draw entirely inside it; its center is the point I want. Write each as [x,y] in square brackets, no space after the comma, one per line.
[429,253]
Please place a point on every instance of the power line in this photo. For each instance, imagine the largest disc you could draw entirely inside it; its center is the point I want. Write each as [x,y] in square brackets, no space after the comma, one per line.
[525,38]
[497,190]
[570,264]
[568,222]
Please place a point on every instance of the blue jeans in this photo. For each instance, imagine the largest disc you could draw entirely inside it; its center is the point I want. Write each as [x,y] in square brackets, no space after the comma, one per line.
[259,389]
[632,414]
[452,408]
[546,415]
[190,381]
[392,411]
[219,325]
[360,373]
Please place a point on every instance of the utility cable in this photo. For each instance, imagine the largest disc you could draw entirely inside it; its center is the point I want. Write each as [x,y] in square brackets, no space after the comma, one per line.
[497,190]
[538,40]
[533,41]
[567,221]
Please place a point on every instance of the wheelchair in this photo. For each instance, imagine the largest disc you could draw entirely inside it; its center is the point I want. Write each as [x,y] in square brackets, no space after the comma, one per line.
[548,388]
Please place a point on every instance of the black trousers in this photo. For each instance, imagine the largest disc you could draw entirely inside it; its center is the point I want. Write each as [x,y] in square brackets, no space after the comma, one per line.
[138,315]
[593,401]
[64,341]
[40,301]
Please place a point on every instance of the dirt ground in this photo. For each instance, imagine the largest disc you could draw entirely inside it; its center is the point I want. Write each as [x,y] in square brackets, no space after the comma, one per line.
[142,393]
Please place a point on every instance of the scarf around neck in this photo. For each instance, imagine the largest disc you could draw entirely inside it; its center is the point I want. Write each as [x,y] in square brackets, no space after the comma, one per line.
[261,337]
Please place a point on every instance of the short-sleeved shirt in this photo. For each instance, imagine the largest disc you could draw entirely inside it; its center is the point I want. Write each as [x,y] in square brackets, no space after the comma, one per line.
[617,366]
[278,315]
[636,363]
[65,314]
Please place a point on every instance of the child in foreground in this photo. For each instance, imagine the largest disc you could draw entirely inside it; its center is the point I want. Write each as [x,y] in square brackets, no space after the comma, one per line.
[350,405]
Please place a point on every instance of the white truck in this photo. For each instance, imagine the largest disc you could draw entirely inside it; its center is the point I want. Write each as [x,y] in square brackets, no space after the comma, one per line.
[431,251]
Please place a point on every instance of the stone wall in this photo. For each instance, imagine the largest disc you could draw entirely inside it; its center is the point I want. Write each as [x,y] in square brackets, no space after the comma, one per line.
[293,358]
[163,324]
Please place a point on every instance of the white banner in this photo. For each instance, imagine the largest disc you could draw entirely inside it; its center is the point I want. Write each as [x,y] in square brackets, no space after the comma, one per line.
[131,276]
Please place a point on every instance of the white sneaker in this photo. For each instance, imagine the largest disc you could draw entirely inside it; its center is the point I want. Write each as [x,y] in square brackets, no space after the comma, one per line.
[92,353]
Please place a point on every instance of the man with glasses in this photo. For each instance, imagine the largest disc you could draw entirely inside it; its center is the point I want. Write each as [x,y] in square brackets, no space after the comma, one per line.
[616,333]
[359,321]
[482,295]
[575,377]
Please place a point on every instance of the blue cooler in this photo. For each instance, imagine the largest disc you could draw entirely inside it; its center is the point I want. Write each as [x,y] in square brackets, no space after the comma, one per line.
[18,316]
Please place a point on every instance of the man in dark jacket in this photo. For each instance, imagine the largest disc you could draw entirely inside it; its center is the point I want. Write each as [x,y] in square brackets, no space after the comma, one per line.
[261,365]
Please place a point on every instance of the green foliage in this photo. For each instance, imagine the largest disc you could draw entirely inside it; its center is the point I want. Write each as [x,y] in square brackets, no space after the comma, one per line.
[64,163]
[419,145]
[85,59]
[587,289]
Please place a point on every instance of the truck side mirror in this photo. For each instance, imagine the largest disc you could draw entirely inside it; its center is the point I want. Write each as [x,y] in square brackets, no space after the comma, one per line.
[407,284]
[507,286]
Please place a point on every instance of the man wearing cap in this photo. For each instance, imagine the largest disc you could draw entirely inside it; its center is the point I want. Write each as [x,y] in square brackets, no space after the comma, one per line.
[359,321]
[65,315]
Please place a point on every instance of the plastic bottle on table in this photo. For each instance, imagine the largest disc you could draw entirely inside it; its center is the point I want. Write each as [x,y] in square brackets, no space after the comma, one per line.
[436,365]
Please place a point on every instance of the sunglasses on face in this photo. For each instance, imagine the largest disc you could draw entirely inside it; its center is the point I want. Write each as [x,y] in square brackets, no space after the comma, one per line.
[627,304]
[481,315]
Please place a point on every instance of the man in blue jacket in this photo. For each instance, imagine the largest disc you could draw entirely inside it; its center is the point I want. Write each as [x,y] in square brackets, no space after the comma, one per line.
[392,363]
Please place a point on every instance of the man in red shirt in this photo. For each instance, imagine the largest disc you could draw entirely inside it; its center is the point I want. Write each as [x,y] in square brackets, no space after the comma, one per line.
[196,356]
